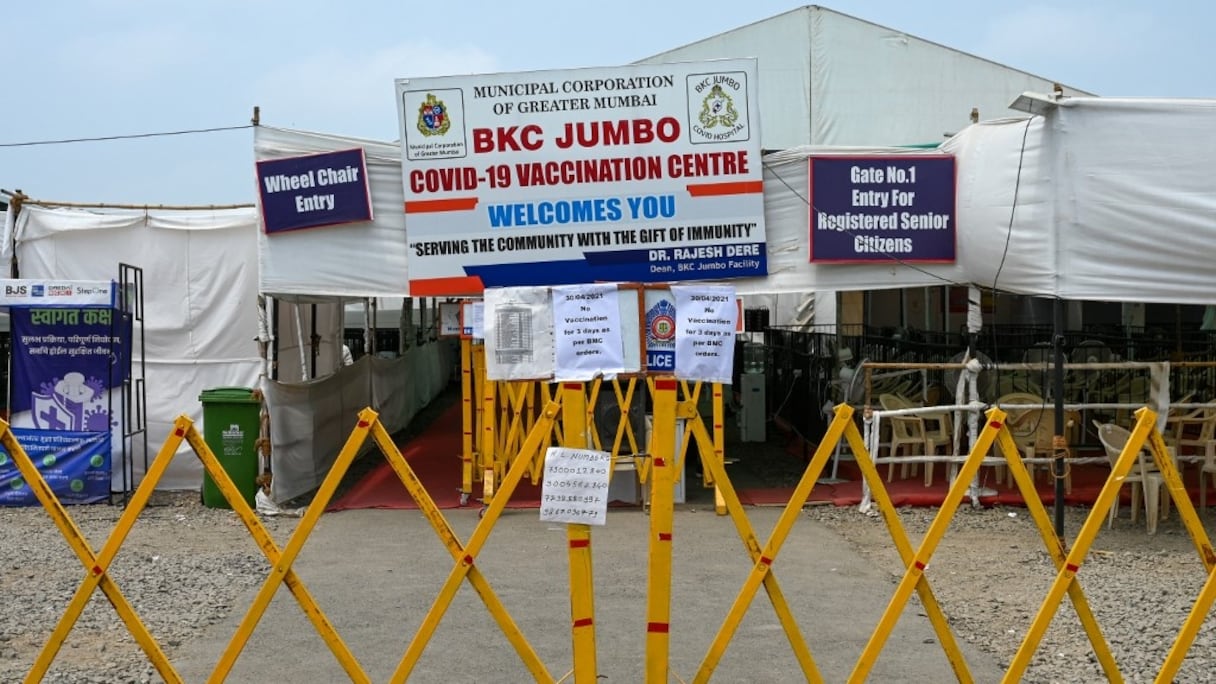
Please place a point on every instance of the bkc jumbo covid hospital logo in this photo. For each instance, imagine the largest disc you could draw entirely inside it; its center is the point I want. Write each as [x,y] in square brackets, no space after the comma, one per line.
[718,108]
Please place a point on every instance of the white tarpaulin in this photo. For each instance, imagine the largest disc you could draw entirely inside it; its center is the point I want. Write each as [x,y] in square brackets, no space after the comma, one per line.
[1114,201]
[200,300]
[311,421]
[1135,210]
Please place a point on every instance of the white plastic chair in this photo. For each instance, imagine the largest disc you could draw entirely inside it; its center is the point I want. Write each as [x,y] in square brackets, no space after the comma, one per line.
[1143,476]
[912,431]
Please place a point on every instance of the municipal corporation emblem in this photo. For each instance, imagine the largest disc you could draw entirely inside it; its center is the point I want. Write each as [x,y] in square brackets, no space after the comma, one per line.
[433,116]
[433,121]
[661,324]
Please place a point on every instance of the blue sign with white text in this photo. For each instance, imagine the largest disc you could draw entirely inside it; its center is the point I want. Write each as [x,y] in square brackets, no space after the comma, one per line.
[882,208]
[315,190]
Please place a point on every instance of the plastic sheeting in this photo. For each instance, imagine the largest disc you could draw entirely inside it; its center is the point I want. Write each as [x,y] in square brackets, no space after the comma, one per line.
[1135,213]
[312,420]
[1113,201]
[200,300]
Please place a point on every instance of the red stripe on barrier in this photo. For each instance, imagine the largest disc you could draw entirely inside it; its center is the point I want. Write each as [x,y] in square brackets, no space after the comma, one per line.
[97,570]
[363,423]
[659,462]
[717,426]
[665,384]
[580,543]
[664,536]
[919,565]
[468,560]
[766,561]
[179,432]
[995,425]
[658,627]
[583,622]
[1072,568]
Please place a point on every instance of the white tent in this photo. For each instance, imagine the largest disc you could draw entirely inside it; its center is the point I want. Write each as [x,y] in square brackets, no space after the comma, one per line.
[1098,199]
[200,299]
[311,274]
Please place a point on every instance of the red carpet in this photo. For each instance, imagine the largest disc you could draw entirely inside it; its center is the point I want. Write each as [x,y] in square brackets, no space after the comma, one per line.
[434,456]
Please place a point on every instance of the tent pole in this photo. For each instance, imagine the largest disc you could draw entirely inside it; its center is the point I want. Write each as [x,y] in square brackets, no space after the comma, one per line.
[374,323]
[274,337]
[1058,464]
[300,340]
[367,327]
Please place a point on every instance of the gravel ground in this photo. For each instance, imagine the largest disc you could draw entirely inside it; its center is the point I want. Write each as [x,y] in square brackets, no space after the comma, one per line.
[184,566]
[992,572]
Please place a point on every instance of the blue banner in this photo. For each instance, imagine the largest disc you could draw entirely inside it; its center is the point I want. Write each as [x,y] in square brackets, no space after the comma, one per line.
[879,209]
[65,361]
[316,190]
[76,466]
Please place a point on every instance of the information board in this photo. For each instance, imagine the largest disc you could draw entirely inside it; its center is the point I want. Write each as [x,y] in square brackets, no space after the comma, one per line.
[644,173]
[878,208]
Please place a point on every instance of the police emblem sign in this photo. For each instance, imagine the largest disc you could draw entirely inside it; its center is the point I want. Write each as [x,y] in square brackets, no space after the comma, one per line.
[644,173]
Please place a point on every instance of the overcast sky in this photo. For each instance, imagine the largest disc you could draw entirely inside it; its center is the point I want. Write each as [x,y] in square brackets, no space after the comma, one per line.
[91,68]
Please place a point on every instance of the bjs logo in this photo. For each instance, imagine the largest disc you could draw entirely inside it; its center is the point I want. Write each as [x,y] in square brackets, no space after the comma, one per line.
[15,290]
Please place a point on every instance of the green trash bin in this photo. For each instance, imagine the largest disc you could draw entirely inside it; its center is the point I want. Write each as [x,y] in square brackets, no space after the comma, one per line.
[231,422]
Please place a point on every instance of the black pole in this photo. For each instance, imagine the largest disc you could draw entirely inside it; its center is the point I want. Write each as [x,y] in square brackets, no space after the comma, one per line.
[1058,455]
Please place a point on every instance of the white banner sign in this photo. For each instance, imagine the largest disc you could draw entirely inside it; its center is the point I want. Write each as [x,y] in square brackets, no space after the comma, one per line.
[28,292]
[587,332]
[639,173]
[575,487]
[705,332]
[449,319]
[518,333]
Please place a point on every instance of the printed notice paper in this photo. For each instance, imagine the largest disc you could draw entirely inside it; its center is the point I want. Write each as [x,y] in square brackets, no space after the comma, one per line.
[472,316]
[587,332]
[705,332]
[518,333]
[575,488]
